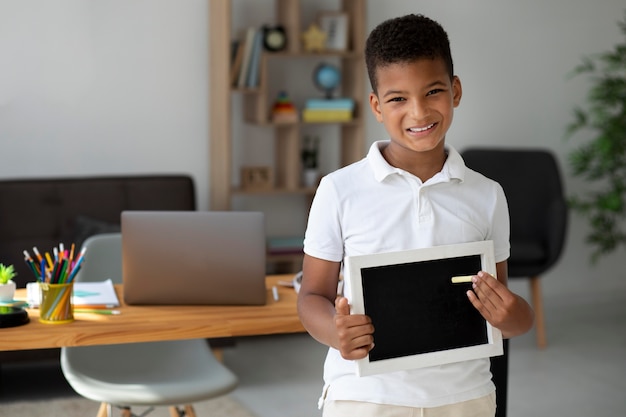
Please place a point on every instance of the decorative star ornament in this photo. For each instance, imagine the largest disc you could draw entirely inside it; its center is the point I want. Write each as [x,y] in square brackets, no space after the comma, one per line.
[314,39]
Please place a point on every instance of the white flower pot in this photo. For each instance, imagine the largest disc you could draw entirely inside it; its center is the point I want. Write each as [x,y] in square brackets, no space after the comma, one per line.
[7,291]
[310,177]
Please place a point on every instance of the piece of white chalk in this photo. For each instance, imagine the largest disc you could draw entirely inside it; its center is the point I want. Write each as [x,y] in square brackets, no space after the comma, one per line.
[462,278]
[275,292]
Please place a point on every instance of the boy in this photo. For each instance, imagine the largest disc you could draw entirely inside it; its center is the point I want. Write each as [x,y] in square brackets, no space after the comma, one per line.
[411,191]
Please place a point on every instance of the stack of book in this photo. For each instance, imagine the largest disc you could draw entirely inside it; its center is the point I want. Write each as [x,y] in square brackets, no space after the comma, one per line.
[285,245]
[246,59]
[328,110]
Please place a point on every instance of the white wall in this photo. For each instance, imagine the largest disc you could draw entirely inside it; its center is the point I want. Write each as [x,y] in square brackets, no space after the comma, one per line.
[100,87]
[120,86]
[513,58]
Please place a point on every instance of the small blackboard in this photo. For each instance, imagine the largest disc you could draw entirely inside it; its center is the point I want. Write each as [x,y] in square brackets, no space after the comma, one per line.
[421,317]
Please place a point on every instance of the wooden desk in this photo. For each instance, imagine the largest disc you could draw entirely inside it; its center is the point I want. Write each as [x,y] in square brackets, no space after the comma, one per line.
[154,323]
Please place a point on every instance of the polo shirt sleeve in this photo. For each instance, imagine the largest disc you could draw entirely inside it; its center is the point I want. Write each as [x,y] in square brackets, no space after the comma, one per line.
[500,230]
[323,238]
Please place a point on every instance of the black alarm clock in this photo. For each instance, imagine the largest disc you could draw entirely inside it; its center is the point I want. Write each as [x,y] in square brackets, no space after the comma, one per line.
[274,38]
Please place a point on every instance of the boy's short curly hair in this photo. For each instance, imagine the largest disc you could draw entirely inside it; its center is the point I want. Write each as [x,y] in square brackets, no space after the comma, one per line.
[405,39]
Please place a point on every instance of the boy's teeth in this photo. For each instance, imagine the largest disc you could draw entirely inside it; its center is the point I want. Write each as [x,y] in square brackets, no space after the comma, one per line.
[421,129]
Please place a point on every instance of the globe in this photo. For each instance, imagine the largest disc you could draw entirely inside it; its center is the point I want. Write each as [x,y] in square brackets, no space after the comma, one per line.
[327,78]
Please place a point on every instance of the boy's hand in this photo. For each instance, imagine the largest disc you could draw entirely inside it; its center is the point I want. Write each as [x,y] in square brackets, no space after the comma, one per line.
[497,304]
[354,331]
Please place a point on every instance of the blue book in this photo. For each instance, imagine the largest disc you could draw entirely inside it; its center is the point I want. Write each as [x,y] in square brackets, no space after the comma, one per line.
[248,41]
[333,103]
[278,245]
[255,60]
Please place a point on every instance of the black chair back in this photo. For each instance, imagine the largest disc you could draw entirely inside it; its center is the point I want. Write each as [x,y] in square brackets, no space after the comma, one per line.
[531,180]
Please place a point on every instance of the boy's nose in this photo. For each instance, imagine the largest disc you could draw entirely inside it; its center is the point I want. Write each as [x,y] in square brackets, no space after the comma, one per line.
[418,109]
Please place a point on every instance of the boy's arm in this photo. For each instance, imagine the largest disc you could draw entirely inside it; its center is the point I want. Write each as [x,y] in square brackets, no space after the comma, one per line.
[501,307]
[327,317]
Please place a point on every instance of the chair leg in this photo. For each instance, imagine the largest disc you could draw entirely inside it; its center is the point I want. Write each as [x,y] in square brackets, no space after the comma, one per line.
[537,301]
[103,411]
[187,411]
[218,353]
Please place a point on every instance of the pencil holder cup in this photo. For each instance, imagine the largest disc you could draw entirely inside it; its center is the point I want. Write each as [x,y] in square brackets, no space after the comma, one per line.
[56,303]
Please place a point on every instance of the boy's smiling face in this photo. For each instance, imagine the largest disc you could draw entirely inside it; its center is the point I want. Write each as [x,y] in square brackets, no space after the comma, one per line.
[415,102]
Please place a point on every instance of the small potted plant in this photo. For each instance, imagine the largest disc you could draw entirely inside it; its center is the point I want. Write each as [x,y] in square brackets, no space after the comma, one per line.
[310,172]
[7,285]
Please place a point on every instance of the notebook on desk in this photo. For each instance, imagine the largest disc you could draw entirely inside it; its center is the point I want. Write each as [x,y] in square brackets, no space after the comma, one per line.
[193,257]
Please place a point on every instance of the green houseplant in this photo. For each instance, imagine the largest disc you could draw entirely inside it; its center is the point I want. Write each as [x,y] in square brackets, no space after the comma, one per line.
[7,285]
[601,161]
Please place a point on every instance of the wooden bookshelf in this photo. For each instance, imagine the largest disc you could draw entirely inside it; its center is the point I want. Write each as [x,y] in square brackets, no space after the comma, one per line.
[256,103]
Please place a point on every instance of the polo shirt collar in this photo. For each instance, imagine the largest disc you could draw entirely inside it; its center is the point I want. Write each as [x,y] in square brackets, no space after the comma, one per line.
[453,168]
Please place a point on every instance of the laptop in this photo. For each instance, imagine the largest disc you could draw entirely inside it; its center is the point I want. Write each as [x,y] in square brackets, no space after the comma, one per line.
[193,257]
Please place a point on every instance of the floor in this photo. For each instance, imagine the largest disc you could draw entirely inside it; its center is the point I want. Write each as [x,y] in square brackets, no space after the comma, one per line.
[581,373]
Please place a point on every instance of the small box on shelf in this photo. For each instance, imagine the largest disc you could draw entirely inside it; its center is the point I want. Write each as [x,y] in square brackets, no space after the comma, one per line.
[257,178]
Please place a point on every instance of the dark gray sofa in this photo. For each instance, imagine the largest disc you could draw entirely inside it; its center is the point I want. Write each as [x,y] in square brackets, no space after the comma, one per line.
[47,211]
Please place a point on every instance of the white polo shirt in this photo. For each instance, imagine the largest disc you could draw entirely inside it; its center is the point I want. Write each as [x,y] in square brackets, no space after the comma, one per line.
[372,207]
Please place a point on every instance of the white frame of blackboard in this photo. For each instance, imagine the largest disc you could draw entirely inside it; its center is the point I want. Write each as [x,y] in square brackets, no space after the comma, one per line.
[354,264]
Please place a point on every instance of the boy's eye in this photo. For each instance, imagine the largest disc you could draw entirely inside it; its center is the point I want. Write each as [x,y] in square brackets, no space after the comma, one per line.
[396,99]
[435,91]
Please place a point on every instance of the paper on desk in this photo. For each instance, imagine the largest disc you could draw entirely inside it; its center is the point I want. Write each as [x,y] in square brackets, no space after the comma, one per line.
[85,294]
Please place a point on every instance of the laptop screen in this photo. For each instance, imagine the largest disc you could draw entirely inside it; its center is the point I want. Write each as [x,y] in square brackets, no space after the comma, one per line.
[193,257]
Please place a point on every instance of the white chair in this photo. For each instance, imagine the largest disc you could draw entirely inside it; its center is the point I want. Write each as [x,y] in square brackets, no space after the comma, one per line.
[168,373]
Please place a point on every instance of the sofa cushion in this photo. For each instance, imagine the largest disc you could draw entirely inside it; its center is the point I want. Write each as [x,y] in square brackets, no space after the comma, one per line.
[84,226]
[48,211]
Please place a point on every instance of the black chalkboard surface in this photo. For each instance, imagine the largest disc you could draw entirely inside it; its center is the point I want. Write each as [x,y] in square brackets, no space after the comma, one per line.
[421,317]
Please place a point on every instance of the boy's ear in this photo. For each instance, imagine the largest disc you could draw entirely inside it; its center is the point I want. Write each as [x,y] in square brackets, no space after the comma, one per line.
[457,91]
[375,106]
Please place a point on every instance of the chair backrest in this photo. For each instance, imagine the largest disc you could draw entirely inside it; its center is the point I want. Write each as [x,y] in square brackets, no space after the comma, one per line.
[103,258]
[532,183]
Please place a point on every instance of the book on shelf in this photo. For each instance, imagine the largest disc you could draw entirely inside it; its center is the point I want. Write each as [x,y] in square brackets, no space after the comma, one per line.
[328,110]
[330,104]
[254,69]
[326,115]
[234,47]
[248,41]
[284,245]
[237,59]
